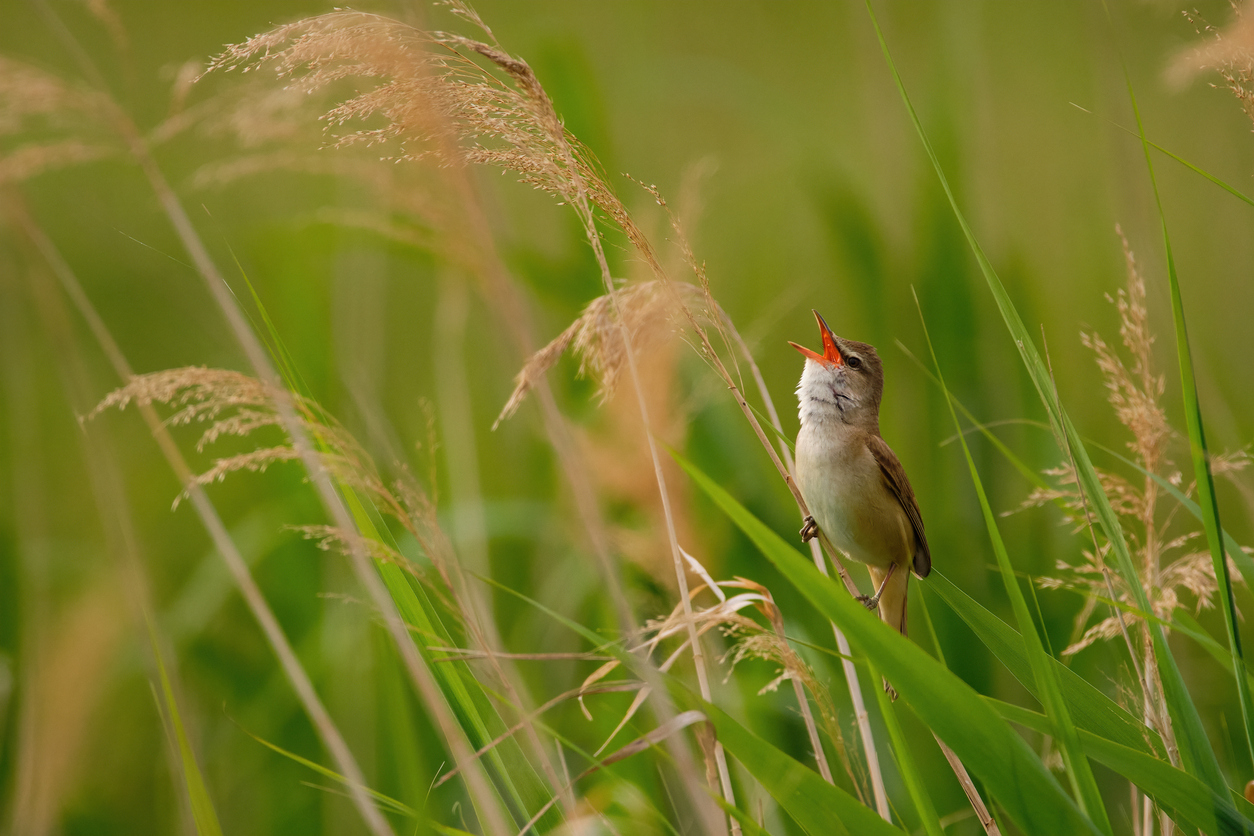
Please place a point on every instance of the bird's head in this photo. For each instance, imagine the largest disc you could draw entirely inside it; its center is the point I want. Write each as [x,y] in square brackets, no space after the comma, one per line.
[844,383]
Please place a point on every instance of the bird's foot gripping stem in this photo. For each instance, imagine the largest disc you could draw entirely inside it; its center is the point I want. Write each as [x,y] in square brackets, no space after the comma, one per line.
[872,602]
[809,530]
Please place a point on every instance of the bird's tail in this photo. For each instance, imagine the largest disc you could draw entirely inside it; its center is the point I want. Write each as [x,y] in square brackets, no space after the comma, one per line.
[892,603]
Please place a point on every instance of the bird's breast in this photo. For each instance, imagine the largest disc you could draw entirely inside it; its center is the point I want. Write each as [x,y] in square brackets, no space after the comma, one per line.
[844,488]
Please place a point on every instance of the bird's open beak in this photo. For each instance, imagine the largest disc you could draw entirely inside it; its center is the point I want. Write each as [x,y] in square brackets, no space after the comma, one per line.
[831,354]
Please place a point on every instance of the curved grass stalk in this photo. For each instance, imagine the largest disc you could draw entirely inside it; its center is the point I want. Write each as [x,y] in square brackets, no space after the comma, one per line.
[861,717]
[487,803]
[318,716]
[1198,757]
[119,529]
[1198,451]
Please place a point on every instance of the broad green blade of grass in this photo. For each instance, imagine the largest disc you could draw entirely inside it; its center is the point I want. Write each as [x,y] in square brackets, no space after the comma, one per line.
[1185,798]
[1196,753]
[203,813]
[1011,772]
[1048,689]
[817,806]
[1207,500]
[1090,708]
[906,766]
[511,771]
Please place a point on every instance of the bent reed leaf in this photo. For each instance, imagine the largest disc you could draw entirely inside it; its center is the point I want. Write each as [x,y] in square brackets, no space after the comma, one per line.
[1195,749]
[1186,798]
[1090,708]
[1207,501]
[999,757]
[816,805]
[1049,691]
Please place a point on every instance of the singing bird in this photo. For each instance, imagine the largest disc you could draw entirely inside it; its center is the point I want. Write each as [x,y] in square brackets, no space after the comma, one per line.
[856,488]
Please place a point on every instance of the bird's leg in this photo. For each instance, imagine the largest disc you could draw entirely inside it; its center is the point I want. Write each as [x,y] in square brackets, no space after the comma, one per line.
[809,530]
[873,602]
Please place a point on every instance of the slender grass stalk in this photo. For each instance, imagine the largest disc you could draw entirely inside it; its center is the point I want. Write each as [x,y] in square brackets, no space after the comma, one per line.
[1197,443]
[119,527]
[906,766]
[1083,784]
[955,763]
[318,716]
[1198,757]
[861,717]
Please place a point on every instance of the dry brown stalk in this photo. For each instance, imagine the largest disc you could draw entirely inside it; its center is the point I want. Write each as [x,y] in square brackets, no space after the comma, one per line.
[413,73]
[862,717]
[487,802]
[318,716]
[1134,390]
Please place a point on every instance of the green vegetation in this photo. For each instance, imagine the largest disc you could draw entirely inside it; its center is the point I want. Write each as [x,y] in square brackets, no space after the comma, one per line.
[469,507]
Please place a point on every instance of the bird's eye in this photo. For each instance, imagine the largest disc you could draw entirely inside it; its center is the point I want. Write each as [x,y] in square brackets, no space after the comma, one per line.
[854,362]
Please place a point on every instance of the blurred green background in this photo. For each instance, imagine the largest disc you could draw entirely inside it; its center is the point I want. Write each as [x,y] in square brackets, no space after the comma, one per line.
[776,131]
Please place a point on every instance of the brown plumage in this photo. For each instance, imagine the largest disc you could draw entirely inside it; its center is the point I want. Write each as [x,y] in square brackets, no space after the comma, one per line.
[857,490]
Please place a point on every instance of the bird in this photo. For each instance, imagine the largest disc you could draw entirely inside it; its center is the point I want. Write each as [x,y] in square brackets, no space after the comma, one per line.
[855,487]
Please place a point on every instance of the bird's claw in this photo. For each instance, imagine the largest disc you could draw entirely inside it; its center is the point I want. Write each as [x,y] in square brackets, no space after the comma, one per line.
[809,530]
[871,602]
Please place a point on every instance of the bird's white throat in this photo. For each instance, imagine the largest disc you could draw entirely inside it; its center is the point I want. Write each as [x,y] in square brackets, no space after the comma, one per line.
[823,394]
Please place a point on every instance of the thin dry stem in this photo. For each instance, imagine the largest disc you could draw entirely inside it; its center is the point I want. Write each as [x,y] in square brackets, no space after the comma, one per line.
[862,717]
[487,802]
[319,717]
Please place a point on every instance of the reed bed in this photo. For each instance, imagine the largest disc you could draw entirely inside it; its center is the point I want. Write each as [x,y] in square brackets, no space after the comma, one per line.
[539,573]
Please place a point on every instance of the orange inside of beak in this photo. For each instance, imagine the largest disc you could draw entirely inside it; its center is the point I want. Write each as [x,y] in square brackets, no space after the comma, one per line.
[831,354]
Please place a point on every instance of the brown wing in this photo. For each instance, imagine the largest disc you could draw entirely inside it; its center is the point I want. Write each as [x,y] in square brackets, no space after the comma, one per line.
[897,482]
